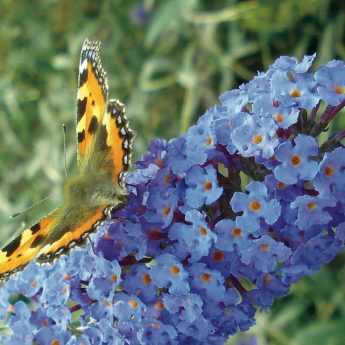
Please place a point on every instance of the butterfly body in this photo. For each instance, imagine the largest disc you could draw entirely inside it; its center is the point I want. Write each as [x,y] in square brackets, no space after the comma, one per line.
[92,190]
[104,143]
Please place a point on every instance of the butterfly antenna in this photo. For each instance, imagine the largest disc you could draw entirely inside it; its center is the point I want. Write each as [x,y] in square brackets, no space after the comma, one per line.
[64,148]
[29,208]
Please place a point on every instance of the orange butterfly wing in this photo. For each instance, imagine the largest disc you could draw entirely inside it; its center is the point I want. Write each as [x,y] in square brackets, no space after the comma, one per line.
[26,246]
[119,139]
[91,97]
[47,239]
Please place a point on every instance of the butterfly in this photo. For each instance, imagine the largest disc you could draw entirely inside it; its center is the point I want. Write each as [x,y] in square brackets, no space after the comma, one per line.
[104,146]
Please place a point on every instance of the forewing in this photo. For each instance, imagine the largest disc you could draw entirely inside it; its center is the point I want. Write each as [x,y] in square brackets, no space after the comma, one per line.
[91,98]
[26,246]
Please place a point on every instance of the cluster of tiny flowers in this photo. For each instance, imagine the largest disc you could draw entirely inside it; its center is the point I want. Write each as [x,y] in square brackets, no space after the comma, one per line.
[219,223]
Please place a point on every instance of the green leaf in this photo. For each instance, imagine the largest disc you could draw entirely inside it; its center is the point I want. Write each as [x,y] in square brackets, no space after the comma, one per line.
[169,16]
[321,333]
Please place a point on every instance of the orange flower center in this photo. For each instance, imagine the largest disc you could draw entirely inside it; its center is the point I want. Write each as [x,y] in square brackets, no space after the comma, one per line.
[329,170]
[209,141]
[203,231]
[159,162]
[206,277]
[339,89]
[207,185]
[264,247]
[280,185]
[174,270]
[311,205]
[236,232]
[155,234]
[159,305]
[166,210]
[147,279]
[133,303]
[45,322]
[295,160]
[167,179]
[255,206]
[257,139]
[295,93]
[218,256]
[279,117]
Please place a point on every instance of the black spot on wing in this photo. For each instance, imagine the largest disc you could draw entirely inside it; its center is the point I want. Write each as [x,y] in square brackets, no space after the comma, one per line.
[102,139]
[93,125]
[35,228]
[81,136]
[83,77]
[81,108]
[37,241]
[12,246]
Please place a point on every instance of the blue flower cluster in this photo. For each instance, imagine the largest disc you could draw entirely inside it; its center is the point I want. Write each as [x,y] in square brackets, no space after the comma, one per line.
[219,223]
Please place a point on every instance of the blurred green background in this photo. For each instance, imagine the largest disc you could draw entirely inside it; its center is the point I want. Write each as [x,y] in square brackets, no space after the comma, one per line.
[168,61]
